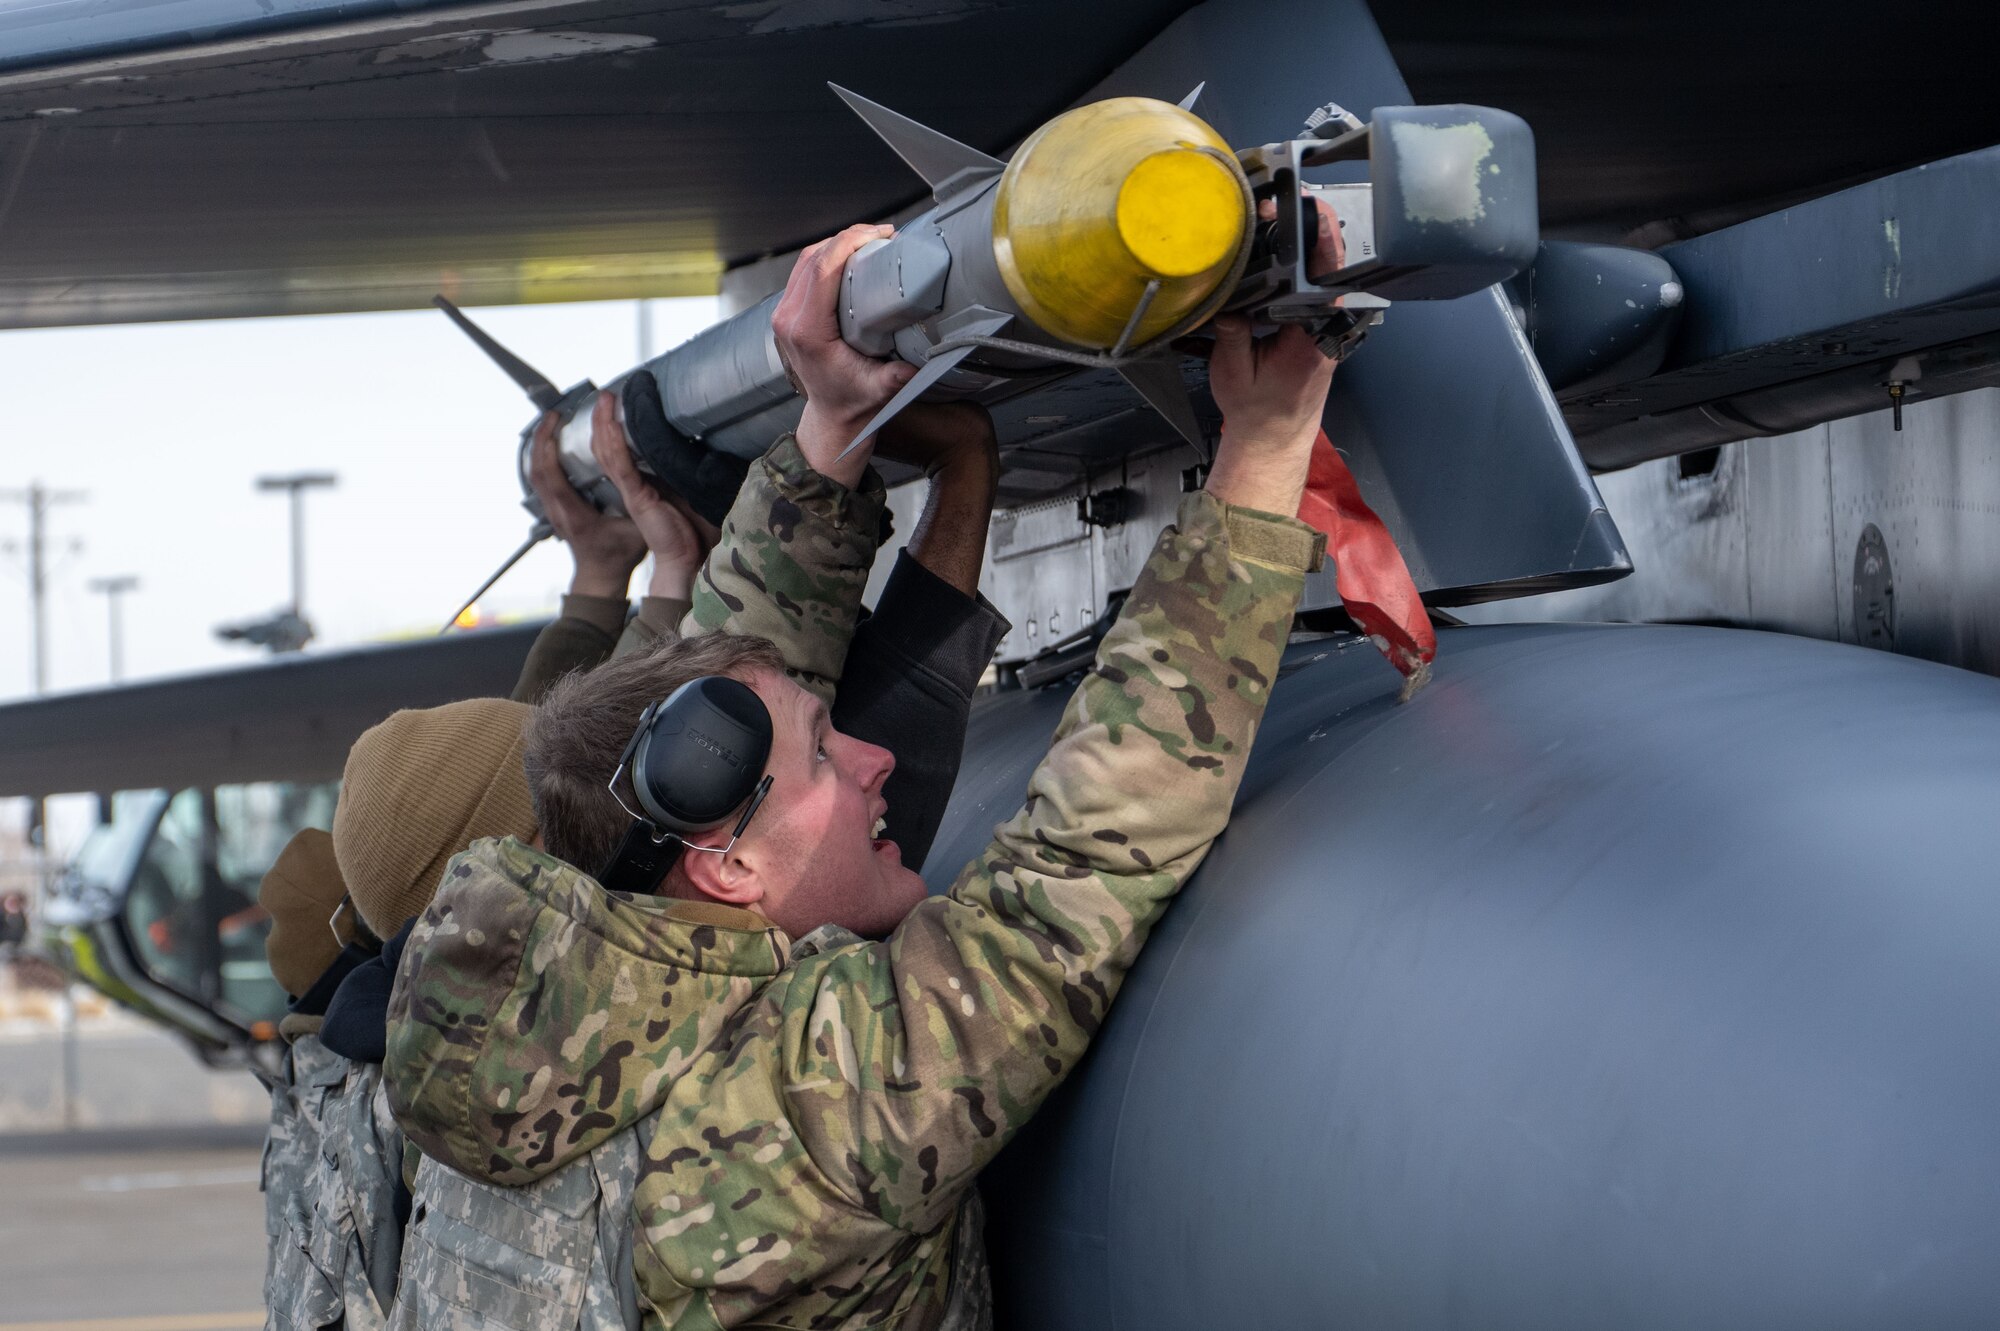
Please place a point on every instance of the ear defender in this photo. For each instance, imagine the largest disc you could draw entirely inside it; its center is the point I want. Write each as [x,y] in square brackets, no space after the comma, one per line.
[696,757]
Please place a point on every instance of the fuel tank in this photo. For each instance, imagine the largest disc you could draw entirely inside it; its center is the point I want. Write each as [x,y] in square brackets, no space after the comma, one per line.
[1637,977]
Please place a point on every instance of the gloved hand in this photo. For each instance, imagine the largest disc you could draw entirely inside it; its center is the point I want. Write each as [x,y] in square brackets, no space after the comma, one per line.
[707,479]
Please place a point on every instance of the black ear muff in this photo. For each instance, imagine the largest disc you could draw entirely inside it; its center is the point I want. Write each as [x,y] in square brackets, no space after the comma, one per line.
[696,758]
[702,755]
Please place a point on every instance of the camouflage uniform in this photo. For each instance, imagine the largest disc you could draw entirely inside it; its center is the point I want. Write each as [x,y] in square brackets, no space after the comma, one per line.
[816,1120]
[799,547]
[335,1243]
[554,1255]
[291,1144]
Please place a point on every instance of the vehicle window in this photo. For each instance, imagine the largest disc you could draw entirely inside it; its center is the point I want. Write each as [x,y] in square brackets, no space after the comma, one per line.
[252,825]
[165,909]
[192,910]
[110,853]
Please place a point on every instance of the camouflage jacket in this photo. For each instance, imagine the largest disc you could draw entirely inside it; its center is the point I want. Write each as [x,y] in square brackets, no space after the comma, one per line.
[555,1255]
[291,1143]
[792,564]
[818,1121]
[790,567]
[335,1243]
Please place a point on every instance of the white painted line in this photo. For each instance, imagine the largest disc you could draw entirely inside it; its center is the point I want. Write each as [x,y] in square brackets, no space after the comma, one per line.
[232,1321]
[196,1178]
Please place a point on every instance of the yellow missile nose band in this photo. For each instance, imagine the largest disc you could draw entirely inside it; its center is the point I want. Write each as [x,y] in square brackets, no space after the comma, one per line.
[1180,213]
[1106,200]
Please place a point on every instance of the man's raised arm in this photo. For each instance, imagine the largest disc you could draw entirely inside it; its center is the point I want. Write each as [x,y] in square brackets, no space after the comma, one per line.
[925,1065]
[796,547]
[605,550]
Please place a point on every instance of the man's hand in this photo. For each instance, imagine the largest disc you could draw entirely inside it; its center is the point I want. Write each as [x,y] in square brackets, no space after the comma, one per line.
[943,438]
[606,548]
[1272,392]
[843,389]
[1329,246]
[955,444]
[678,539]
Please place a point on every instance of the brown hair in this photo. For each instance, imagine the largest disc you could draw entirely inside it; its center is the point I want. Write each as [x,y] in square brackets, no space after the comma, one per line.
[584,722]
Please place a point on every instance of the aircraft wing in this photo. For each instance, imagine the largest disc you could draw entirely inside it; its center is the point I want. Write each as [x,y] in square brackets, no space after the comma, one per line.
[291,718]
[208,158]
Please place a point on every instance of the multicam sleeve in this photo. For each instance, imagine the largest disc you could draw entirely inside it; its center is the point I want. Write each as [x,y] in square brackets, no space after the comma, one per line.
[791,565]
[910,1063]
[581,637]
[659,617]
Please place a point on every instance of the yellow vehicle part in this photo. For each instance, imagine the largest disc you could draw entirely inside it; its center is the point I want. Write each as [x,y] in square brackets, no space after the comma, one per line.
[80,950]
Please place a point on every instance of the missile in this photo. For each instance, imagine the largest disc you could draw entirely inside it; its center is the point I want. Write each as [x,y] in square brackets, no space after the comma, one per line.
[1115,230]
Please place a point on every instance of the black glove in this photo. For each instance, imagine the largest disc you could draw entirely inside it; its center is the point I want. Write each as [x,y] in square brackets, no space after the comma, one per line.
[707,479]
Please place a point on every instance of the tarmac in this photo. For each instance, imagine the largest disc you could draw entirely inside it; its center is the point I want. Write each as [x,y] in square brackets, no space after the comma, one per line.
[147,1216]
[132,1229]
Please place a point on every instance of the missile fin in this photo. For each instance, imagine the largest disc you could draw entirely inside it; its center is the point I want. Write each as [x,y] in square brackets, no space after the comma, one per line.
[934,369]
[1187,103]
[1159,382]
[540,532]
[531,380]
[945,164]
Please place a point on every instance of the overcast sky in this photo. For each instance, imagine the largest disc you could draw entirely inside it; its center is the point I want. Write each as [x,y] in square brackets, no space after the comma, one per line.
[165,427]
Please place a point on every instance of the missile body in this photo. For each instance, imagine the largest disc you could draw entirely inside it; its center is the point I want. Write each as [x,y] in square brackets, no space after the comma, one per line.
[1114,224]
[1113,230]
[725,385]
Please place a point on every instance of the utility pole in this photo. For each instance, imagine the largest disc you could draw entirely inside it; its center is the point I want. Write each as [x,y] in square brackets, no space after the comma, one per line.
[39,499]
[113,588]
[296,486]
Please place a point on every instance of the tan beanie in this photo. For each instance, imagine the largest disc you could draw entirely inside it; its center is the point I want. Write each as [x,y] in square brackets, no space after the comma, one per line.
[301,892]
[418,789]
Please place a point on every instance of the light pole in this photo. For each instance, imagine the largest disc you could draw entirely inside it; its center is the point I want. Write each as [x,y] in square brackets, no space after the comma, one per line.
[296,485]
[113,588]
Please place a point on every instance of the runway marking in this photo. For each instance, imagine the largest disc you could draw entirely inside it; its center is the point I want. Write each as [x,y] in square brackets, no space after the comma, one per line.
[197,1178]
[170,1322]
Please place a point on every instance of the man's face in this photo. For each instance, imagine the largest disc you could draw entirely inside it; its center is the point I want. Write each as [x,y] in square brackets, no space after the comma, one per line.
[811,850]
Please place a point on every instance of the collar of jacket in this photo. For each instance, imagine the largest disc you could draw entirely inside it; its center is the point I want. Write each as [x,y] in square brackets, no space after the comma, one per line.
[535,1013]
[705,936]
